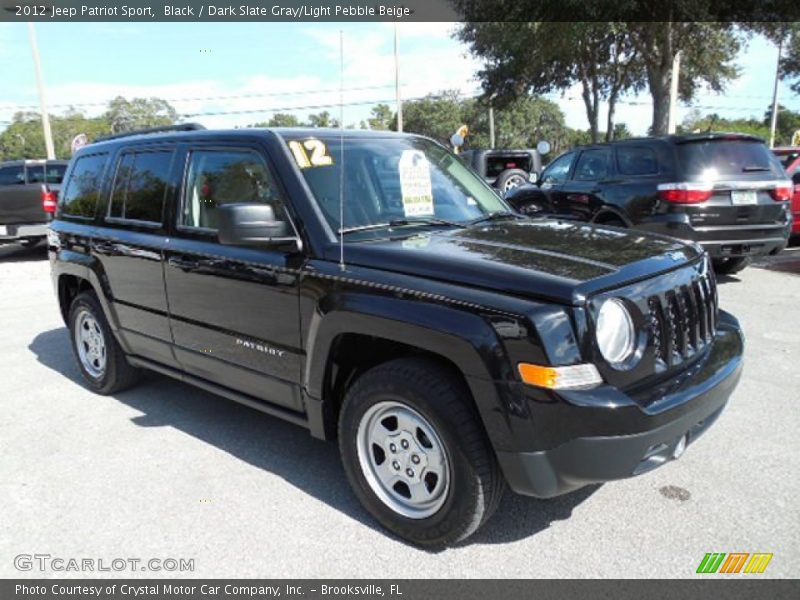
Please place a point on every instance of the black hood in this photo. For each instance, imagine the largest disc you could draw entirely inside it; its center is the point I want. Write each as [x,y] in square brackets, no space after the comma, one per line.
[558,260]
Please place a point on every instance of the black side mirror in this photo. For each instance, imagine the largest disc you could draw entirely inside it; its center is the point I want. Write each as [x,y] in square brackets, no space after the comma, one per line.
[796,178]
[251,225]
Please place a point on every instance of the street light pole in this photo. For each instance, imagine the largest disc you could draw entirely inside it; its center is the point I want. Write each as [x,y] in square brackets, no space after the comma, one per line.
[773,121]
[397,79]
[673,93]
[48,134]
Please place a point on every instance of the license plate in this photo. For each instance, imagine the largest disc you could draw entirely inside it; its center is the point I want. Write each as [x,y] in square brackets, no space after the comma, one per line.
[3,230]
[744,197]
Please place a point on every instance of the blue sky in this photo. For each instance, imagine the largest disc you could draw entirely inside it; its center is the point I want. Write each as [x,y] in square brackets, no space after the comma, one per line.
[272,66]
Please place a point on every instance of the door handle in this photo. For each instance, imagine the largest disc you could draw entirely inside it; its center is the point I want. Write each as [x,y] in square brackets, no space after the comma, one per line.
[184,264]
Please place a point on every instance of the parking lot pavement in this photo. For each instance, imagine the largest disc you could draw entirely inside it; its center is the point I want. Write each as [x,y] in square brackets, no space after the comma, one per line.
[165,470]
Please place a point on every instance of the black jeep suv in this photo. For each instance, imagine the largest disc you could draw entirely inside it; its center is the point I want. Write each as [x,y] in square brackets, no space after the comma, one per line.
[724,191]
[369,286]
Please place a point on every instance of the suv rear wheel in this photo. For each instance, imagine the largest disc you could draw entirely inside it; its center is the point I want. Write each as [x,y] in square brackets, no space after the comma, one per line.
[100,359]
[510,179]
[415,453]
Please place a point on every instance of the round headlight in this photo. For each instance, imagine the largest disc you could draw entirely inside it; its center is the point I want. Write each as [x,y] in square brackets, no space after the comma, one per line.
[615,332]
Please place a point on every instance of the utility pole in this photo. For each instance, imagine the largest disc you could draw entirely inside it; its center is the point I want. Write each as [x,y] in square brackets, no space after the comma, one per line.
[773,121]
[673,93]
[48,134]
[491,126]
[397,79]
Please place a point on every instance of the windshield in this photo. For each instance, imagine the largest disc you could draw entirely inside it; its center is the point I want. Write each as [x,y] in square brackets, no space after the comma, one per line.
[390,180]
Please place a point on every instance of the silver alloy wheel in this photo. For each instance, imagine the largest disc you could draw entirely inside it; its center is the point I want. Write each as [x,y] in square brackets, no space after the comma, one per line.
[91,344]
[513,182]
[403,459]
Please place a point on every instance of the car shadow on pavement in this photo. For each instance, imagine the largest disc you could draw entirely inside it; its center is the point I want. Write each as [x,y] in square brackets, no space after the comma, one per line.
[281,448]
[10,253]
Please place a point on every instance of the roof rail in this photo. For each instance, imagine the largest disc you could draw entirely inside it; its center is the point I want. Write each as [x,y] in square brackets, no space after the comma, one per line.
[178,127]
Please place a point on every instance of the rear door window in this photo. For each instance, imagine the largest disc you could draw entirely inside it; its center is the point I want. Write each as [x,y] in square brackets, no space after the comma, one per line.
[140,185]
[636,160]
[83,188]
[593,165]
[721,158]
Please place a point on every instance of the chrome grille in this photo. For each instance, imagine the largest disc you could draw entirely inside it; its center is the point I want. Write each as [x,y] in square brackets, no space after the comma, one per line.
[682,320]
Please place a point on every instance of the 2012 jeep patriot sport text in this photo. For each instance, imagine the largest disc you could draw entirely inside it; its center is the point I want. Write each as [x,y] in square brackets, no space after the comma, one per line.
[458,347]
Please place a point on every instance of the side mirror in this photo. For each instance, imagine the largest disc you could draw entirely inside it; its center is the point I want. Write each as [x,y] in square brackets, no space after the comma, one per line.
[251,225]
[796,178]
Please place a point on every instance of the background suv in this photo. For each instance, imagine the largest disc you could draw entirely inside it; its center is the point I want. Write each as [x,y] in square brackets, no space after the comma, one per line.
[25,205]
[727,192]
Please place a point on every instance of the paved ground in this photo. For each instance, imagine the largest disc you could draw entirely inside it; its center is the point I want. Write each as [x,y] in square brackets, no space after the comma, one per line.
[165,470]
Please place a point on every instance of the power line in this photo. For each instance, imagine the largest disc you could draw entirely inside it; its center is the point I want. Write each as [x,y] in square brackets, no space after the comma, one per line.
[207,98]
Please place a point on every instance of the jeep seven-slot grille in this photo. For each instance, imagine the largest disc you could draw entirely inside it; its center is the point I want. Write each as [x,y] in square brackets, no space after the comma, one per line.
[683,320]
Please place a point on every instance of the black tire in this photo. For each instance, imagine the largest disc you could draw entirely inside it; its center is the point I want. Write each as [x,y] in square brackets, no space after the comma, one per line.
[511,179]
[117,374]
[475,484]
[729,266]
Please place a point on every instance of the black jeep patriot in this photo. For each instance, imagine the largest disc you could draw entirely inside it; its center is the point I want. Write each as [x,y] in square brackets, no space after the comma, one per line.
[452,345]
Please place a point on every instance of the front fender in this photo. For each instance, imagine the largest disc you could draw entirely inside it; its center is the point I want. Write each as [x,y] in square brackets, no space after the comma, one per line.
[462,337]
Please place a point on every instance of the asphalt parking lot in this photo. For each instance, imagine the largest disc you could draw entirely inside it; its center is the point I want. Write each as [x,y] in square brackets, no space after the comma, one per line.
[165,470]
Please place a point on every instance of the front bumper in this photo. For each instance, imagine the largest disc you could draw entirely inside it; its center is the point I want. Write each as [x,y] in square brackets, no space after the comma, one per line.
[721,241]
[688,406]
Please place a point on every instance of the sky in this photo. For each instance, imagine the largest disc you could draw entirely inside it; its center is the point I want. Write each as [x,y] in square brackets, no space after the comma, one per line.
[205,69]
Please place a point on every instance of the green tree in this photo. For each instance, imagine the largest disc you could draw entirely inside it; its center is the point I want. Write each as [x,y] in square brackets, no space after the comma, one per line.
[598,56]
[382,117]
[520,124]
[323,119]
[283,120]
[139,113]
[533,51]
[24,137]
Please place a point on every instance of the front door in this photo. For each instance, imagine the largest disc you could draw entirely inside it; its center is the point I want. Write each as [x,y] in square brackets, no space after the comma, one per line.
[234,310]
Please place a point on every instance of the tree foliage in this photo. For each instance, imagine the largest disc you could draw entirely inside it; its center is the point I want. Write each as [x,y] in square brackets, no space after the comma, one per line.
[537,51]
[382,118]
[519,124]
[139,113]
[788,122]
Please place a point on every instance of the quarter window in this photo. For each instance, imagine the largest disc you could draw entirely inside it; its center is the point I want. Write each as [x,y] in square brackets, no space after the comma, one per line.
[636,160]
[217,177]
[593,165]
[80,196]
[140,185]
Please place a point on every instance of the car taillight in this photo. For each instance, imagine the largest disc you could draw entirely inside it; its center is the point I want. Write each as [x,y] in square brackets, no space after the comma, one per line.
[684,193]
[49,199]
[781,193]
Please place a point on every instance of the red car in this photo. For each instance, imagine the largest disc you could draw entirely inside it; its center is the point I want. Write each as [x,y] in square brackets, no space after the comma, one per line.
[790,159]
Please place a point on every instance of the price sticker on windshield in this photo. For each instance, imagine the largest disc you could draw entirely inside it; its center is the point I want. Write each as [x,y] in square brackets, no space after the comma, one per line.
[415,184]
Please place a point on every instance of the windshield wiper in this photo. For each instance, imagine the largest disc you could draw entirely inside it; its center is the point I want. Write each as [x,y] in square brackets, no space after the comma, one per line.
[401,223]
[754,168]
[498,215]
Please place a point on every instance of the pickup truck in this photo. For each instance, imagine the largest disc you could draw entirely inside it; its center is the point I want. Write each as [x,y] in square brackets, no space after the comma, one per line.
[371,288]
[23,211]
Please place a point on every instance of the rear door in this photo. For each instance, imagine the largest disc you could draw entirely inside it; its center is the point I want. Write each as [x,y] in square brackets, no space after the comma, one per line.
[234,310]
[130,246]
[741,173]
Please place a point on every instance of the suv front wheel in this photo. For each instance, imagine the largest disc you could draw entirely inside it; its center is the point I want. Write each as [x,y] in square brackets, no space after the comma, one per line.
[100,359]
[416,454]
